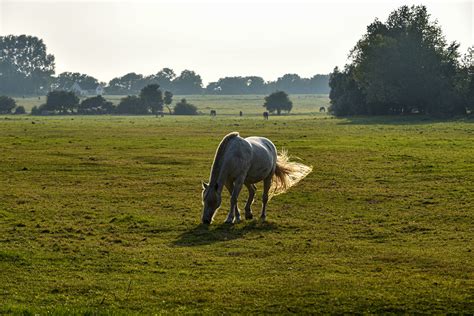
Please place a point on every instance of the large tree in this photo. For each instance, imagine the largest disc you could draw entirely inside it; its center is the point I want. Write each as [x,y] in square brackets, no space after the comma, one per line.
[7,104]
[152,98]
[25,66]
[66,80]
[278,101]
[188,82]
[165,78]
[64,102]
[401,66]
[130,83]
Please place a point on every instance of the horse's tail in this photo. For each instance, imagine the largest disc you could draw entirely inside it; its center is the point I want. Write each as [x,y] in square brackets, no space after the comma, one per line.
[287,173]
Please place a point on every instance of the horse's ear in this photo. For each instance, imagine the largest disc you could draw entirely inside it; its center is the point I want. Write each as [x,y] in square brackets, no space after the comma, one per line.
[204,185]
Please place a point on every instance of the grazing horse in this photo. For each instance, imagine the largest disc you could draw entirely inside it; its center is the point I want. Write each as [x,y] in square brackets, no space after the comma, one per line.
[213,113]
[322,109]
[265,115]
[246,161]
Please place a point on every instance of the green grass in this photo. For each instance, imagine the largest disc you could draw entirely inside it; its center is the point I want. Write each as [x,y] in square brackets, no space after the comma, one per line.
[223,104]
[101,215]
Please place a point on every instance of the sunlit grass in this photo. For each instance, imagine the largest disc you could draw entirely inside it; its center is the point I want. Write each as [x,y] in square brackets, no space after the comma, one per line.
[101,214]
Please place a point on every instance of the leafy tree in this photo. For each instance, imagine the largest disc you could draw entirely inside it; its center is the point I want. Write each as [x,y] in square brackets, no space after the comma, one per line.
[131,105]
[95,105]
[346,97]
[36,110]
[61,101]
[7,104]
[130,83]
[20,110]
[25,66]
[165,78]
[401,66]
[319,84]
[278,101]
[184,108]
[188,82]
[65,81]
[255,85]
[289,82]
[168,100]
[152,97]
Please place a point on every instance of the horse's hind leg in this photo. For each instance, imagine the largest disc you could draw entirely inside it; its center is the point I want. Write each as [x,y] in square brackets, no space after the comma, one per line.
[267,182]
[233,202]
[248,211]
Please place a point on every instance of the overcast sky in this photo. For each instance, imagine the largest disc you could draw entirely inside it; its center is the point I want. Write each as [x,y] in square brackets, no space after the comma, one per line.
[266,38]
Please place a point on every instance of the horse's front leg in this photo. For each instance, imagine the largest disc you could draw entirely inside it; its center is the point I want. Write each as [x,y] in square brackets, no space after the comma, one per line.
[233,201]
[230,187]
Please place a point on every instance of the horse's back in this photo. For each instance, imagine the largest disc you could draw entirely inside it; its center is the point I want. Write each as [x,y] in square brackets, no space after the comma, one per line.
[264,156]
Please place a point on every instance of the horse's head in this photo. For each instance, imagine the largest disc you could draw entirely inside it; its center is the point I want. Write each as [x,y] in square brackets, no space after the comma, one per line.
[211,201]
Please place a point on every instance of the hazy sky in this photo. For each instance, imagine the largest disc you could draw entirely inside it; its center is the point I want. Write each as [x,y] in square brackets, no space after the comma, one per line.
[267,38]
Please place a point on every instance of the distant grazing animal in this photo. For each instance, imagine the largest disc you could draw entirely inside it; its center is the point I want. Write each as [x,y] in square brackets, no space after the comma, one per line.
[241,113]
[246,161]
[213,113]
[265,115]
[322,109]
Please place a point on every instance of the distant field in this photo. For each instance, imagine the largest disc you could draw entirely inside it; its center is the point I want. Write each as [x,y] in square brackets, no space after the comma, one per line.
[223,104]
[101,215]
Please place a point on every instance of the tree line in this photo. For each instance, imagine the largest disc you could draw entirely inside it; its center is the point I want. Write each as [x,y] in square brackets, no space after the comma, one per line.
[27,69]
[404,66]
[151,100]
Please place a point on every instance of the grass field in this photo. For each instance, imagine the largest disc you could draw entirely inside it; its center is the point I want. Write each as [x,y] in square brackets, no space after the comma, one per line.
[223,104]
[101,215]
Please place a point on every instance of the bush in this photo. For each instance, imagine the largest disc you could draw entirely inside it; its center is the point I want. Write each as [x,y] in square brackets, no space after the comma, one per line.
[20,110]
[131,105]
[95,105]
[40,110]
[7,104]
[61,101]
[185,108]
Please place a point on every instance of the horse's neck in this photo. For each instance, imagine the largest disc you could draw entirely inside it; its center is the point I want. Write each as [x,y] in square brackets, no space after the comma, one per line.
[219,171]
[218,175]
[219,179]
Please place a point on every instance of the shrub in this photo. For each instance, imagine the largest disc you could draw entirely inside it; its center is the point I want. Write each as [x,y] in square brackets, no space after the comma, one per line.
[7,104]
[20,110]
[95,105]
[131,105]
[185,108]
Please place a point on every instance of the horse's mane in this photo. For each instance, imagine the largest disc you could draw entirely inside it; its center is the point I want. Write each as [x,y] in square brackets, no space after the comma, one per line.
[219,155]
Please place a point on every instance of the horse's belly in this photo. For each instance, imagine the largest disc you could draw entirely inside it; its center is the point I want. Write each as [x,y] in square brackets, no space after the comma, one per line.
[263,163]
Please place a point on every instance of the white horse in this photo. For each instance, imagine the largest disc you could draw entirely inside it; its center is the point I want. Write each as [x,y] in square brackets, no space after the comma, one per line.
[246,161]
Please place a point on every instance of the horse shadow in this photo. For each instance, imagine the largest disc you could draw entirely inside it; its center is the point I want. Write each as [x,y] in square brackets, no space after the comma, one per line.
[204,234]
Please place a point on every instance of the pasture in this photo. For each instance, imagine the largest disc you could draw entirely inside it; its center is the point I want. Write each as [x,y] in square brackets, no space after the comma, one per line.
[223,104]
[102,215]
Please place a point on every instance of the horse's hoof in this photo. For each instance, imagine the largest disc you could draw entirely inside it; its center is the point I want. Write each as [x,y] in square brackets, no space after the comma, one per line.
[248,216]
[263,218]
[229,221]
